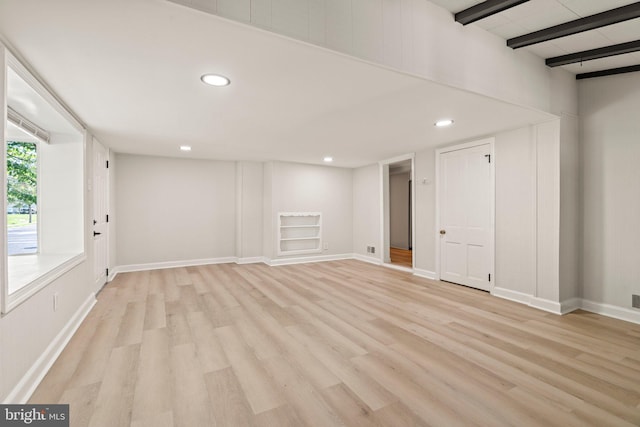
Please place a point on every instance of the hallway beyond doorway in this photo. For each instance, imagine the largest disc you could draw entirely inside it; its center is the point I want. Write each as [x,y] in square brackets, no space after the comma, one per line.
[401,257]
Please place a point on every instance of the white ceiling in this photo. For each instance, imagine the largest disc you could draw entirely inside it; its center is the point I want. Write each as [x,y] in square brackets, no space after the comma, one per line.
[535,15]
[130,69]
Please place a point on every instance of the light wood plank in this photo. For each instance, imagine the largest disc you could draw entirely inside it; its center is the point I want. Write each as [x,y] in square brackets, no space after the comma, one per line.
[259,388]
[114,402]
[190,400]
[152,392]
[229,404]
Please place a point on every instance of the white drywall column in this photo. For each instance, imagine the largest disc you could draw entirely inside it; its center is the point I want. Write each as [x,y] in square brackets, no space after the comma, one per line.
[570,212]
[249,206]
[268,219]
[548,211]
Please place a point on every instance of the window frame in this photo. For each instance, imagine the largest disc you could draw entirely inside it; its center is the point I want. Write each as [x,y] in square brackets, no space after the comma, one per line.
[10,301]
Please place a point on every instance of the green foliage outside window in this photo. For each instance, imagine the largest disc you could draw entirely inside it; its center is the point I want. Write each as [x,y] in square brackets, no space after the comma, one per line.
[22,179]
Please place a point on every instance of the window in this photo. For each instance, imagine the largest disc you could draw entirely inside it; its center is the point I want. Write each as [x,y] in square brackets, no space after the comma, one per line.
[22,195]
[43,195]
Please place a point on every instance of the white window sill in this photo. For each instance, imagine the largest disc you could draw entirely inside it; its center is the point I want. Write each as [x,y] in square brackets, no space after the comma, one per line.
[28,274]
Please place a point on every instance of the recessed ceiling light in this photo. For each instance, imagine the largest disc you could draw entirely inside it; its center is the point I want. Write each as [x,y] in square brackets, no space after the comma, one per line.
[215,80]
[444,122]
[328,159]
[185,148]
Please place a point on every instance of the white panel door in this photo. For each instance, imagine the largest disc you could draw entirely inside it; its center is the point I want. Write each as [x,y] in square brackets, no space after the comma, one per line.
[466,216]
[100,212]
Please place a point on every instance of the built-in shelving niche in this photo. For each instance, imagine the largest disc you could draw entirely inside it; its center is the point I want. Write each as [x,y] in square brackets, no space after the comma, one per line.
[299,233]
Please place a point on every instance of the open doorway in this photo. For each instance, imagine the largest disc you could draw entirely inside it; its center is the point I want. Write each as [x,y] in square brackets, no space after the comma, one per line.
[397,213]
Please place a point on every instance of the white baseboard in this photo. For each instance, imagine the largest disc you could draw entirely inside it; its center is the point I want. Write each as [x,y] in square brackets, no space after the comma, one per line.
[171,264]
[30,381]
[567,306]
[366,258]
[614,311]
[303,260]
[546,305]
[530,300]
[251,260]
[426,274]
[398,267]
[511,295]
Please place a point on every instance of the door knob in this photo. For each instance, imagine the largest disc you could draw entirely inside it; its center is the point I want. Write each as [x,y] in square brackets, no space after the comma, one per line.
[443,232]
[95,233]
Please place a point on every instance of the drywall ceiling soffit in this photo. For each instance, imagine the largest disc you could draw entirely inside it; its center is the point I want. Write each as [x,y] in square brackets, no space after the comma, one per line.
[596,35]
[131,71]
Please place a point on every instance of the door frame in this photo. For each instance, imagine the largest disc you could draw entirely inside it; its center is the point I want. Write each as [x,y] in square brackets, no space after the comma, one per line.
[384,209]
[492,192]
[107,195]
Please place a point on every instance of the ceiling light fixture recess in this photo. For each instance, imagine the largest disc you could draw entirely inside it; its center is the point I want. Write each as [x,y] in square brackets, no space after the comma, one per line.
[328,159]
[215,80]
[185,148]
[444,122]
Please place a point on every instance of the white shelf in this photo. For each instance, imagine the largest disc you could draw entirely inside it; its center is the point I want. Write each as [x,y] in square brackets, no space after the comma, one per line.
[298,238]
[299,233]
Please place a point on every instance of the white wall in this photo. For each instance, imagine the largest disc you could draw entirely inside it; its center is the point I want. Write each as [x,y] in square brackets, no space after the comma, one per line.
[170,209]
[366,210]
[610,127]
[414,36]
[60,198]
[399,210]
[308,188]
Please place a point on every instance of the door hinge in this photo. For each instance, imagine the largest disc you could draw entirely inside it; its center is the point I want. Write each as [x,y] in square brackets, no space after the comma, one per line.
[489,276]
[488,156]
[107,272]
[107,217]
[107,164]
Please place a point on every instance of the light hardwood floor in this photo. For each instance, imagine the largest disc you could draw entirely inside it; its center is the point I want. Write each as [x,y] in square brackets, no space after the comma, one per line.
[401,257]
[337,343]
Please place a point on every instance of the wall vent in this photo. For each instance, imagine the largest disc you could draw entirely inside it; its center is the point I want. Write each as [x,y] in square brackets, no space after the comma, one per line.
[27,126]
[635,301]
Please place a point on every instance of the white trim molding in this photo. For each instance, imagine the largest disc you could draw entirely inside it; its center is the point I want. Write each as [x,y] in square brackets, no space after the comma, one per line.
[303,260]
[527,299]
[425,274]
[545,305]
[572,304]
[366,258]
[621,313]
[251,260]
[32,378]
[169,264]
[567,306]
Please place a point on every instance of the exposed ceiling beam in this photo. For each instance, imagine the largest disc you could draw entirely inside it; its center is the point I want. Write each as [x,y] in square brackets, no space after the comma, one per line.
[587,23]
[484,9]
[609,72]
[588,55]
